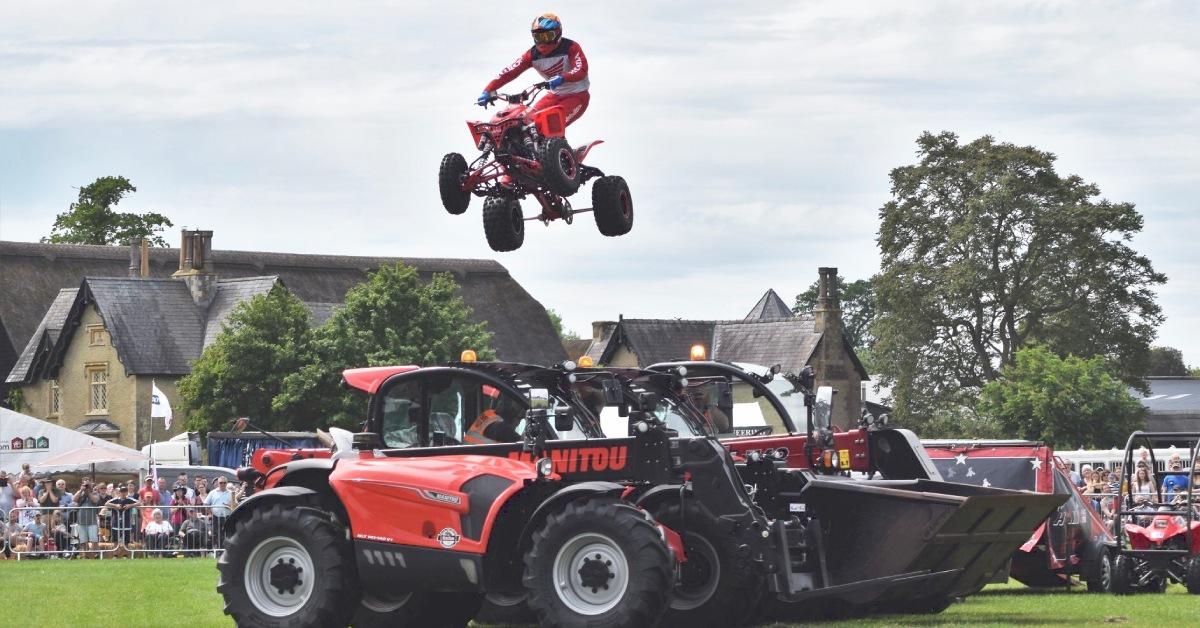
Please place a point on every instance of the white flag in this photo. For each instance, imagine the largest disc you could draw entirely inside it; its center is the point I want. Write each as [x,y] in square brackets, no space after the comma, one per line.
[160,407]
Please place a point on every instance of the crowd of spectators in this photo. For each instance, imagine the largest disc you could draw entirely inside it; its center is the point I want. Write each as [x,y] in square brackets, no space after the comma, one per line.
[44,517]
[1148,489]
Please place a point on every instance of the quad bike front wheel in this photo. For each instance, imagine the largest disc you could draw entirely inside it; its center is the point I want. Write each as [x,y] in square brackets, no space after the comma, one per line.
[598,563]
[713,590]
[612,206]
[288,567]
[503,223]
[560,168]
[1123,575]
[450,181]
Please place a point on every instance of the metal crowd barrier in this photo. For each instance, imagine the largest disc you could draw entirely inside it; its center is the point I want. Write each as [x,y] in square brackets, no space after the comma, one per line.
[67,532]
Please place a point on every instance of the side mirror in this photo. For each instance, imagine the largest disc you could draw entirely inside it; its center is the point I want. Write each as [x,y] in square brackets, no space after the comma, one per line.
[823,410]
[539,398]
[563,421]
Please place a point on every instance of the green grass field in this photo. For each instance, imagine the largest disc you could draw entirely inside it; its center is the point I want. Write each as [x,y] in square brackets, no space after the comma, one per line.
[182,592]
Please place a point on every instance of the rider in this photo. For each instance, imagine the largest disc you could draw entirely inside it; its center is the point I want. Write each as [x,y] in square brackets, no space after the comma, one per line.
[559,60]
[490,427]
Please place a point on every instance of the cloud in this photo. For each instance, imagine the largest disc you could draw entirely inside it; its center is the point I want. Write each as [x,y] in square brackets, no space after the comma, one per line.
[757,139]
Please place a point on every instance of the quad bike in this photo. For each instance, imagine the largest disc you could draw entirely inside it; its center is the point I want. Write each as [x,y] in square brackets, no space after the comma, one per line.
[738,530]
[1157,542]
[525,153]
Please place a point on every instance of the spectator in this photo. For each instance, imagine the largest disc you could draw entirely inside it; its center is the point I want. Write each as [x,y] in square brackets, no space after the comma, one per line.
[222,503]
[50,496]
[87,515]
[29,504]
[182,480]
[194,531]
[121,508]
[178,500]
[164,497]
[1143,486]
[1075,477]
[1092,486]
[58,538]
[34,532]
[25,476]
[1175,480]
[1143,456]
[1084,473]
[201,486]
[158,531]
[103,517]
[149,498]
[10,527]
[8,496]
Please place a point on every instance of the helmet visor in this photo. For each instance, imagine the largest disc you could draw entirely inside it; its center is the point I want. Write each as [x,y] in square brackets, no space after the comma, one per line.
[545,37]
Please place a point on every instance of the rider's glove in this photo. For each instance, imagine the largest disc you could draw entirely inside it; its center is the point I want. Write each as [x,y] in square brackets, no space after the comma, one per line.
[554,81]
[484,98]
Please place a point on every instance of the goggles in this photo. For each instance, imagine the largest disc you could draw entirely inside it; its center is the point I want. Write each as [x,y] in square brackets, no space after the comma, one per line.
[545,37]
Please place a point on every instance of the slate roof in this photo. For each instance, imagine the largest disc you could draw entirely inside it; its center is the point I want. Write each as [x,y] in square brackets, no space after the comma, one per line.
[1172,395]
[769,308]
[789,343]
[660,340]
[46,333]
[32,274]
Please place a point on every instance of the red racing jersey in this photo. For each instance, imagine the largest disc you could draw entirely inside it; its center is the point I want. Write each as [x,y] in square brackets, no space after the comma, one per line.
[566,59]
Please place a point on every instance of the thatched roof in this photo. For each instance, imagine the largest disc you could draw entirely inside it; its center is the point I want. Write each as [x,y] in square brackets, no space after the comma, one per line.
[32,274]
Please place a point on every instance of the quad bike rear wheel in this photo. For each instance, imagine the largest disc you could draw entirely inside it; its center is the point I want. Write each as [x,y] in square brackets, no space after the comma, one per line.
[450,180]
[598,563]
[612,206]
[1099,573]
[288,566]
[560,168]
[503,223]
[713,590]
[1193,575]
[417,610]
[1123,575]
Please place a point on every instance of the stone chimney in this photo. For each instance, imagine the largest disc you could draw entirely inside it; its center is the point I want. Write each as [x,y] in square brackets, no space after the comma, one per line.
[196,266]
[831,362]
[139,257]
[827,316]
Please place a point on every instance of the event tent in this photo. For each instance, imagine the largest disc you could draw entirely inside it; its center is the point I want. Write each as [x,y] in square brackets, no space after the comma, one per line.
[93,458]
[27,439]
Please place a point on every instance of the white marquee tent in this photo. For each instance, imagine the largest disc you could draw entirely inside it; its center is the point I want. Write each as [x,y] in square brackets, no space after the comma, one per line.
[27,439]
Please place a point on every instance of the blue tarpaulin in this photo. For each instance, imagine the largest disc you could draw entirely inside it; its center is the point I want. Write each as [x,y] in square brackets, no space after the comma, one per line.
[226,449]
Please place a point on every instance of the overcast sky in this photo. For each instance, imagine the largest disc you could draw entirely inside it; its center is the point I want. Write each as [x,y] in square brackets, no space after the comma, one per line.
[756,137]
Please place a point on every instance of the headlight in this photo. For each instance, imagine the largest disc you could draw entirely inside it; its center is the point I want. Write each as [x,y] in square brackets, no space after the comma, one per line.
[545,467]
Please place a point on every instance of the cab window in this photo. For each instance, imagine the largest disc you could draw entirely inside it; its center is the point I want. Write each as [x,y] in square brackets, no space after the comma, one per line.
[400,425]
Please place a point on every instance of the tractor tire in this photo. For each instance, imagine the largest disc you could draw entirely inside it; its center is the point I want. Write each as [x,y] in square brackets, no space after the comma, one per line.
[597,564]
[418,610]
[505,609]
[450,180]
[503,223]
[713,591]
[288,566]
[1123,576]
[612,206]
[560,169]
[1098,574]
[1193,575]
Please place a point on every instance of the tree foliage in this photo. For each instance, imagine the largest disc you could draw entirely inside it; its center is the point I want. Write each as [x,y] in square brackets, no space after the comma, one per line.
[392,318]
[1166,362]
[240,374]
[1069,403]
[858,308]
[556,322]
[985,249]
[92,219]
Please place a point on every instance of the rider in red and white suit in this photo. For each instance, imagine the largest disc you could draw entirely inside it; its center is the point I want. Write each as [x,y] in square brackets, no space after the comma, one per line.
[560,61]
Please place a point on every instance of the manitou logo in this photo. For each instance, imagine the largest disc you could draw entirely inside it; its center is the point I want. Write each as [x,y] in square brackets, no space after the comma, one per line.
[582,459]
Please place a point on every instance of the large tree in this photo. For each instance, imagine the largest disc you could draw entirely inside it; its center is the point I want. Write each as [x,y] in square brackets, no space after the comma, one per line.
[985,249]
[1069,403]
[1166,361]
[92,220]
[392,318]
[242,371]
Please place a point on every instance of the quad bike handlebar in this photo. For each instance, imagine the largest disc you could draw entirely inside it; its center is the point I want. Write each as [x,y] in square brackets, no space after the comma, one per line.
[515,99]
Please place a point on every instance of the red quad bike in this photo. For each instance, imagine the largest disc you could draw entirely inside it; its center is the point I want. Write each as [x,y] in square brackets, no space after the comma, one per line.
[1074,540]
[525,153]
[1158,540]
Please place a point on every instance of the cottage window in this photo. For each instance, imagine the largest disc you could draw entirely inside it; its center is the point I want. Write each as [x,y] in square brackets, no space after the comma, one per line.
[95,335]
[98,381]
[55,398]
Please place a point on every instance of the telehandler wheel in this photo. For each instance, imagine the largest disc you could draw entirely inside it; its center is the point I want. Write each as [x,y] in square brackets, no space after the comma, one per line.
[713,590]
[1099,573]
[450,180]
[598,563]
[288,566]
[612,206]
[503,223]
[560,169]
[1193,575]
[1122,575]
[417,610]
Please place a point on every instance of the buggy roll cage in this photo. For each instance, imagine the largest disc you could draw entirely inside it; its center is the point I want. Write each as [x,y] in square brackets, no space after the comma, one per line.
[1188,512]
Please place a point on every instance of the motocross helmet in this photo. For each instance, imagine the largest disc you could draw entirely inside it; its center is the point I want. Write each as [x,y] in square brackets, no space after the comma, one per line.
[546,29]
